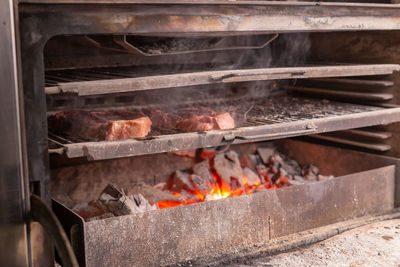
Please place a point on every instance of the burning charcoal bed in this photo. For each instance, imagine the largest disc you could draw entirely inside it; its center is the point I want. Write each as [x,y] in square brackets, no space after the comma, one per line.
[218,175]
[230,192]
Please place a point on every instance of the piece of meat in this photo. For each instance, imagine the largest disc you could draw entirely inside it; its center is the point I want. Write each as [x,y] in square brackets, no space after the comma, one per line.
[196,124]
[100,125]
[221,121]
[191,119]
[162,120]
[224,121]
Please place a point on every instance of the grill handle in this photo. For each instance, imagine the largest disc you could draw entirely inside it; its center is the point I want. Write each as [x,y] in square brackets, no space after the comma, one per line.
[231,137]
[238,77]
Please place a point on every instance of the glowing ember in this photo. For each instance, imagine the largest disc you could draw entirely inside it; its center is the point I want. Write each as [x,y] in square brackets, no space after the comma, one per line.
[217,175]
[220,189]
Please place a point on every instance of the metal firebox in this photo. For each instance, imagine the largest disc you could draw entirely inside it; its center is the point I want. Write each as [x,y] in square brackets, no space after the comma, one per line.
[364,185]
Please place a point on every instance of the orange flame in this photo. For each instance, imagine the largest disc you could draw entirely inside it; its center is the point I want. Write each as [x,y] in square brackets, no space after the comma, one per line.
[220,189]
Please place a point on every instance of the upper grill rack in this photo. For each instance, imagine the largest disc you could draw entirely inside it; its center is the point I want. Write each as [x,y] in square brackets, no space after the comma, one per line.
[263,119]
[129,79]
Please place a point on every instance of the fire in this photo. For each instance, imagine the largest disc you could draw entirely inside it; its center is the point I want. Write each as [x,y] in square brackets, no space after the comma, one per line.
[221,190]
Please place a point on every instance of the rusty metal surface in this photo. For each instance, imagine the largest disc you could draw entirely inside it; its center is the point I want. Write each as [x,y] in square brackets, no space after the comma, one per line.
[15,245]
[118,84]
[205,19]
[220,227]
[237,43]
[73,225]
[373,146]
[271,130]
[210,228]
[335,200]
[202,2]
[39,23]
[338,161]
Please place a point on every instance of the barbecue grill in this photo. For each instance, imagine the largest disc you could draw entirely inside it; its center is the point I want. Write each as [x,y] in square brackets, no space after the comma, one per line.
[318,80]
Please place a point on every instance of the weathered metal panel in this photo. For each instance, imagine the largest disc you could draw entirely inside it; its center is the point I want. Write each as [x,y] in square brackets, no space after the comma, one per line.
[185,141]
[338,161]
[14,205]
[239,17]
[297,209]
[218,227]
[38,23]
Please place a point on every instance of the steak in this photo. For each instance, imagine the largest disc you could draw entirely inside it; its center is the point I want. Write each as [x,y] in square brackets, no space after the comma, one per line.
[224,121]
[191,119]
[196,124]
[162,120]
[100,125]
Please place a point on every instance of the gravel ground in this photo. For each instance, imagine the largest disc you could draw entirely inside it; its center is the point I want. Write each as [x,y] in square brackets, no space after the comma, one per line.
[376,244]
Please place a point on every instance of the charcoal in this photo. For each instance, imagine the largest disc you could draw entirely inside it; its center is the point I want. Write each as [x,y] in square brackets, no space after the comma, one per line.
[265,173]
[142,204]
[227,165]
[310,169]
[265,153]
[161,186]
[179,181]
[283,181]
[274,169]
[249,161]
[310,173]
[187,196]
[202,169]
[299,178]
[275,160]
[282,172]
[262,170]
[252,178]
[311,177]
[200,183]
[114,201]
[236,184]
[151,194]
[88,210]
[291,166]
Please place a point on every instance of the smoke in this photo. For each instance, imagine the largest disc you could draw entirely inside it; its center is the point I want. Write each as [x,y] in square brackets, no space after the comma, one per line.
[287,50]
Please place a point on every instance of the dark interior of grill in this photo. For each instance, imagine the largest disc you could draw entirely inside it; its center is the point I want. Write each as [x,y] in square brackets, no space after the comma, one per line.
[287,79]
[274,80]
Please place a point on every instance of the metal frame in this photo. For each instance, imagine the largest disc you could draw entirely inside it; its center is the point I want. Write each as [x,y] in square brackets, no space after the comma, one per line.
[118,85]
[13,187]
[39,23]
[367,187]
[259,132]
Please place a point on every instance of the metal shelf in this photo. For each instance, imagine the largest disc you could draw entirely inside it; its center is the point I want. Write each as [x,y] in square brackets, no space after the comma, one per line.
[83,82]
[257,120]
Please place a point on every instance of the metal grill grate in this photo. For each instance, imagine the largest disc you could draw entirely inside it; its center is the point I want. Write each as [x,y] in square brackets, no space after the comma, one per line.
[129,79]
[256,119]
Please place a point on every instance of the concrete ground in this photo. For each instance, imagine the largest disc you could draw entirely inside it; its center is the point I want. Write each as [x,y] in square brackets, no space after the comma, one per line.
[375,244]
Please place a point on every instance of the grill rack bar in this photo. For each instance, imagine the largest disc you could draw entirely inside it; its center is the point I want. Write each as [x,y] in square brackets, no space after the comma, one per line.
[380,147]
[270,118]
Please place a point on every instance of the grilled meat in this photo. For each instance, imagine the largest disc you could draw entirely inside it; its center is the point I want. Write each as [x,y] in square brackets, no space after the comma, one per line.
[100,125]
